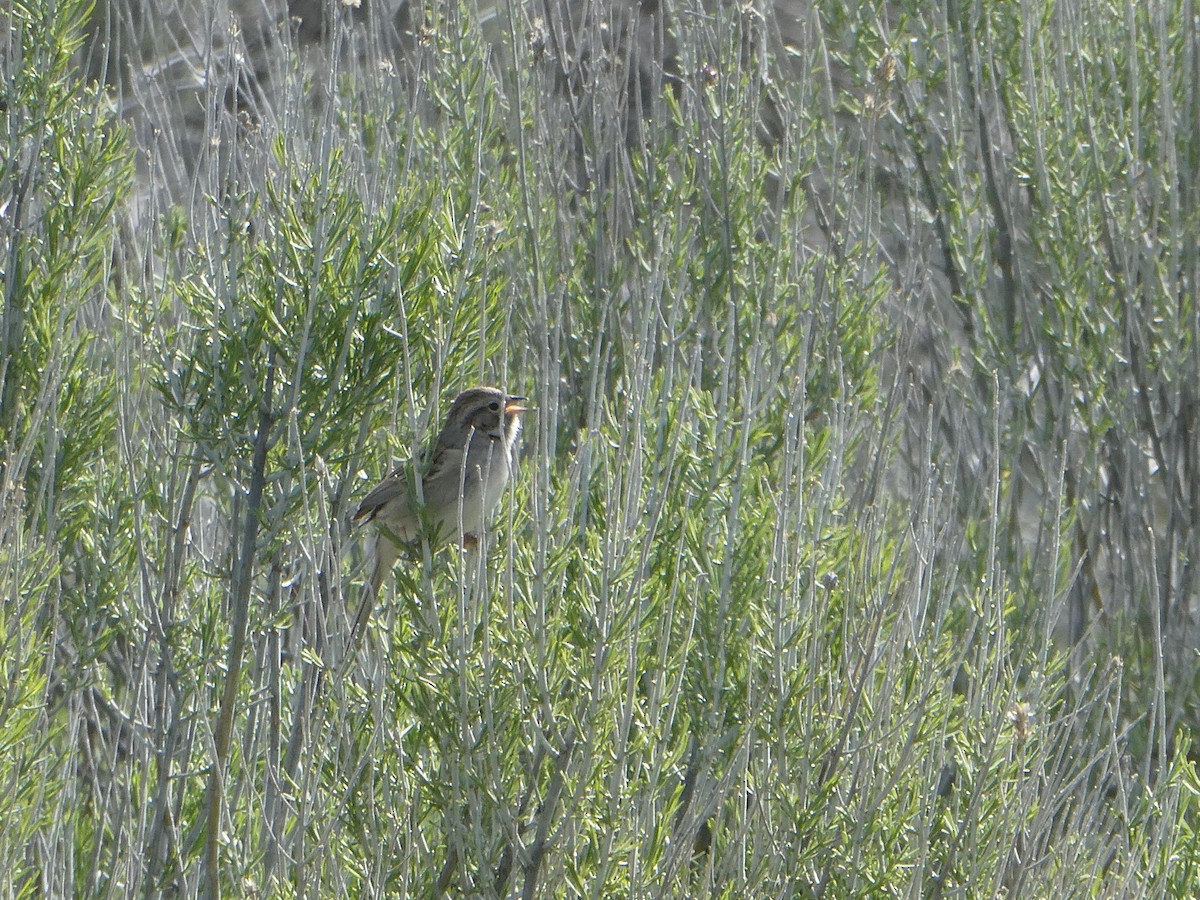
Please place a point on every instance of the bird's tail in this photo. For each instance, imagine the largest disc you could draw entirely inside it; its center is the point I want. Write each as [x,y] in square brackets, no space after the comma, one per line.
[371,570]
[381,556]
[368,573]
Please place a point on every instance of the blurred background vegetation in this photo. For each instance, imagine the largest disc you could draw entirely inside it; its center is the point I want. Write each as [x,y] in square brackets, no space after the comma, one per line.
[852,552]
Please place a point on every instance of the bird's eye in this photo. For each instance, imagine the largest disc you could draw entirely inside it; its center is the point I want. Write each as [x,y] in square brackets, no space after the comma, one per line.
[494,406]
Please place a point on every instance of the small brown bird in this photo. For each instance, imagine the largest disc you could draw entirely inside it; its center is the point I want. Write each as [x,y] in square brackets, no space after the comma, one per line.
[470,465]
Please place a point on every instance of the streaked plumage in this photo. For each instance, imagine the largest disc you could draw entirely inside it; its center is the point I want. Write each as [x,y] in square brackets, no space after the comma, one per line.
[469,467]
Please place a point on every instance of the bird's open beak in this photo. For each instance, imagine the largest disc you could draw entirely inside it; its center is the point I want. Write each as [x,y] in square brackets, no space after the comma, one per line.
[513,405]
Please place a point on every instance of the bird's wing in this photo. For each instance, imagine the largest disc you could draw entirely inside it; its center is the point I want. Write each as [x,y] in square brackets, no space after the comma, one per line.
[394,487]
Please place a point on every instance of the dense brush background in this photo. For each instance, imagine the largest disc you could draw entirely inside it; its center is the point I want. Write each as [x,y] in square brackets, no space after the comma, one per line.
[854,549]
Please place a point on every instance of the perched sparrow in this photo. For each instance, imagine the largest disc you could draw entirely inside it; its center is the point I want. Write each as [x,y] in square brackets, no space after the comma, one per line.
[470,465]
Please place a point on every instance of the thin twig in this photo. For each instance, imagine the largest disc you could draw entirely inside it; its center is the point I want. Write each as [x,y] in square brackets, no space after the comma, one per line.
[238,616]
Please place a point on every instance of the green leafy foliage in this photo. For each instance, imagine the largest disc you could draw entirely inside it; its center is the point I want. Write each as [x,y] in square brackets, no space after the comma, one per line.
[849,547]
